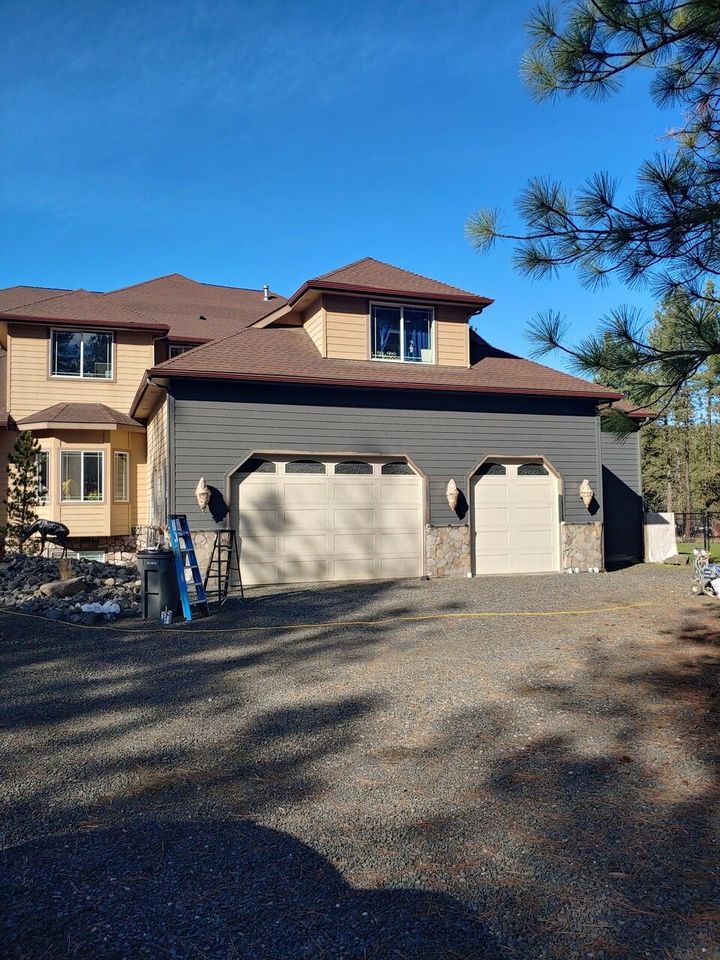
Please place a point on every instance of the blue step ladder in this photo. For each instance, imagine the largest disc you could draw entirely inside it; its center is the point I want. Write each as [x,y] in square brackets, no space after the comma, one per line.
[184,552]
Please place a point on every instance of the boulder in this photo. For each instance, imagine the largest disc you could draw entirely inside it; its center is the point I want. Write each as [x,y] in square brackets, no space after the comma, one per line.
[63,588]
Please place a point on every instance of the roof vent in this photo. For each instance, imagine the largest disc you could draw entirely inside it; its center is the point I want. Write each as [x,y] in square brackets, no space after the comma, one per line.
[266,292]
[202,317]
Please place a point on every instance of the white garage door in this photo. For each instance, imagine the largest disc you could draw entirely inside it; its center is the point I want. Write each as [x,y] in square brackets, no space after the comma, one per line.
[308,519]
[516,522]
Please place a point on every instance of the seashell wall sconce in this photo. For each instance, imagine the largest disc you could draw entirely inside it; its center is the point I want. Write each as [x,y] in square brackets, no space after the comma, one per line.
[586,493]
[452,493]
[202,494]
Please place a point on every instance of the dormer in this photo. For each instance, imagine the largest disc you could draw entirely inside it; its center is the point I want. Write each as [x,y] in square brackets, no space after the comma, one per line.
[370,310]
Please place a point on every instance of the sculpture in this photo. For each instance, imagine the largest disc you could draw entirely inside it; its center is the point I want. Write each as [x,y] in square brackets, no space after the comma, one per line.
[452,493]
[586,493]
[47,529]
[202,494]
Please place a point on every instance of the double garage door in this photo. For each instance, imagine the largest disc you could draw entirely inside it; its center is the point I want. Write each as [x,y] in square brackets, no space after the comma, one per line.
[306,519]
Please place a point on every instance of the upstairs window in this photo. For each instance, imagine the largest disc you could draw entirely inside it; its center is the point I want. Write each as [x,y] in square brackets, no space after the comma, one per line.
[176,349]
[401,333]
[82,353]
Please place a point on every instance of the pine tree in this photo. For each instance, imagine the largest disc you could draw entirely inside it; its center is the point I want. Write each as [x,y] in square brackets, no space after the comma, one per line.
[21,500]
[665,230]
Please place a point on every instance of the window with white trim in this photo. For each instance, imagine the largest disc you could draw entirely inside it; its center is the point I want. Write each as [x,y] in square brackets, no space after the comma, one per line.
[121,476]
[175,349]
[401,333]
[86,354]
[81,476]
[42,476]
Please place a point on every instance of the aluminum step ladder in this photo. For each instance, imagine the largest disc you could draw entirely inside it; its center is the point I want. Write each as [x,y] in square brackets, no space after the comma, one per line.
[224,561]
[184,552]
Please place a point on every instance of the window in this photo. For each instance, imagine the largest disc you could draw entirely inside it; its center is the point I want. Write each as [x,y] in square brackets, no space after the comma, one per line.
[354,467]
[81,475]
[175,349]
[42,476]
[304,466]
[256,465]
[121,475]
[401,333]
[397,468]
[81,353]
[492,470]
[531,470]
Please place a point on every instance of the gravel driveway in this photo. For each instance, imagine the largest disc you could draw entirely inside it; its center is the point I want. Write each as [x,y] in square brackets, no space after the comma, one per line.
[460,787]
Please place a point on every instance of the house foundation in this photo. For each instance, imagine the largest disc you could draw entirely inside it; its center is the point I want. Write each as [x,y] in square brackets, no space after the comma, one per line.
[582,545]
[447,551]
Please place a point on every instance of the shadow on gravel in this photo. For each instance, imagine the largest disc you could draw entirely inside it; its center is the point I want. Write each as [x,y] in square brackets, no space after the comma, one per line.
[221,890]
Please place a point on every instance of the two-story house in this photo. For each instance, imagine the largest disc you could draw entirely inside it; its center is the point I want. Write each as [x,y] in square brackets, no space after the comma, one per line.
[359,429]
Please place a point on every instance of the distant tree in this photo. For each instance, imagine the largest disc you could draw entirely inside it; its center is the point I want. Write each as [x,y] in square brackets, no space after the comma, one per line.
[667,232]
[21,500]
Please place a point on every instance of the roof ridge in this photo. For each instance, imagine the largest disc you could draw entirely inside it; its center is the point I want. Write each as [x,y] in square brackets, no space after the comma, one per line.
[142,283]
[345,266]
[182,276]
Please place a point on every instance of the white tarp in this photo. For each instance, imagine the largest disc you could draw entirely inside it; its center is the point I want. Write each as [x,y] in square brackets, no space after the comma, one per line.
[659,537]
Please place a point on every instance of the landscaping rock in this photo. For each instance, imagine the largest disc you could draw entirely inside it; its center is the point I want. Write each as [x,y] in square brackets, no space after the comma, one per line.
[34,584]
[679,560]
[62,588]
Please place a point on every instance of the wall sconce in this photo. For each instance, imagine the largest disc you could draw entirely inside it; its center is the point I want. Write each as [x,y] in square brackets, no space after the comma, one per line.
[202,494]
[452,493]
[586,493]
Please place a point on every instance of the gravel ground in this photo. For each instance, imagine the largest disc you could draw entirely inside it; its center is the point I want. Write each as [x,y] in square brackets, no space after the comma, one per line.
[460,787]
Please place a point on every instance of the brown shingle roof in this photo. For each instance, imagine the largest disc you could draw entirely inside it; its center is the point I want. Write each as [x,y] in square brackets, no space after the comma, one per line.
[634,411]
[373,276]
[89,415]
[81,306]
[12,297]
[288,354]
[180,302]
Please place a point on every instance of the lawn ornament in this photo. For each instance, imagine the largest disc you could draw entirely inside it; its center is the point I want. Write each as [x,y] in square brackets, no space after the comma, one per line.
[452,493]
[47,530]
[202,494]
[586,493]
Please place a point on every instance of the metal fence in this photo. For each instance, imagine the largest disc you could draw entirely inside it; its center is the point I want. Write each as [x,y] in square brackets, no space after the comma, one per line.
[699,527]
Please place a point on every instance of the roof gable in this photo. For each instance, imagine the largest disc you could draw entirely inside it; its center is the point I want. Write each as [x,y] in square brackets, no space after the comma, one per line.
[370,273]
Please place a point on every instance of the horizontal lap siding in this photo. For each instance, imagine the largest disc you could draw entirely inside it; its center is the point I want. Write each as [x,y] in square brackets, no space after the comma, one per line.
[452,334]
[156,471]
[347,328]
[212,436]
[622,491]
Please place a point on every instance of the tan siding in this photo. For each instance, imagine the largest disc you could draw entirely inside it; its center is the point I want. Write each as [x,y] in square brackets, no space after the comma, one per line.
[31,388]
[7,442]
[157,466]
[125,516]
[82,519]
[452,337]
[347,327]
[314,323]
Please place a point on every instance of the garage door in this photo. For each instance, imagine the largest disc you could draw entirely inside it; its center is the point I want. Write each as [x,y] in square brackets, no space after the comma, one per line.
[308,519]
[516,522]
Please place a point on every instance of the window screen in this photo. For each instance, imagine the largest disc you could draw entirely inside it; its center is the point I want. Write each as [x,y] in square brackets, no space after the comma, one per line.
[304,466]
[354,467]
[397,468]
[492,470]
[258,465]
[532,470]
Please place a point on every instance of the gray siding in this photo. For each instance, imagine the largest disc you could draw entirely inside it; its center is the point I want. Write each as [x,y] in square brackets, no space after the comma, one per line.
[622,488]
[217,425]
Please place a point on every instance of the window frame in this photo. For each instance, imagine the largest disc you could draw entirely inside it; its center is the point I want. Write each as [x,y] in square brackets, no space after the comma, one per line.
[179,348]
[116,455]
[82,498]
[80,376]
[43,501]
[402,307]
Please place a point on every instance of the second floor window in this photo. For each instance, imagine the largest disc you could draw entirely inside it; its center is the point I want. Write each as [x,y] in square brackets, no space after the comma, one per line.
[175,349]
[82,353]
[401,333]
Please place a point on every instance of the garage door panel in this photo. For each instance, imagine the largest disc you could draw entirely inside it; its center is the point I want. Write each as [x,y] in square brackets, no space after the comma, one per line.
[342,518]
[516,523]
[353,492]
[302,527]
[399,544]
[353,545]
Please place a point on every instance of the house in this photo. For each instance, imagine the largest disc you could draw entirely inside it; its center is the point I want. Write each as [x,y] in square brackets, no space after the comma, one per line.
[327,425]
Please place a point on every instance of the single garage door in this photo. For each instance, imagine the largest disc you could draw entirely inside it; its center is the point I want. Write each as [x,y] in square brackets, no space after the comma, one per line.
[310,519]
[516,518]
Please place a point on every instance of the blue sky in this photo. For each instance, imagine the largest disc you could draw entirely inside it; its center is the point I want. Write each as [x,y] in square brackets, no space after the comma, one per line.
[244,143]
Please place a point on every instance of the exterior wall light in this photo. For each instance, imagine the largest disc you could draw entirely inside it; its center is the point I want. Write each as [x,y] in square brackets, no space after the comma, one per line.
[586,493]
